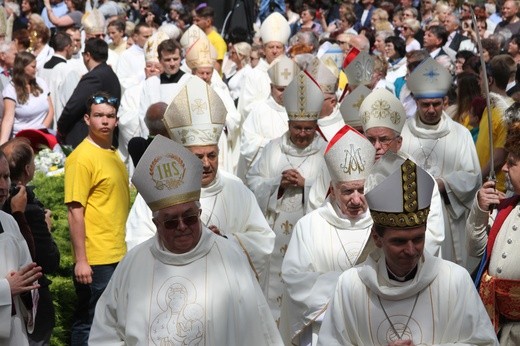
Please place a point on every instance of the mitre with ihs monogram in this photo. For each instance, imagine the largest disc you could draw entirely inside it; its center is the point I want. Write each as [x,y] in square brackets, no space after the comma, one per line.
[349,156]
[382,109]
[196,116]
[167,174]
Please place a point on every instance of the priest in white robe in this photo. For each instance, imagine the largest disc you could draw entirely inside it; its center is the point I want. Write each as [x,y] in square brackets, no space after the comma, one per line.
[445,149]
[186,285]
[401,295]
[286,170]
[327,241]
[275,32]
[229,208]
[267,119]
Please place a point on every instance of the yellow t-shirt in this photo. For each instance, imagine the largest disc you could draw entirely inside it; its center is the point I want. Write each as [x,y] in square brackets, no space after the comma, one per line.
[218,42]
[499,140]
[98,180]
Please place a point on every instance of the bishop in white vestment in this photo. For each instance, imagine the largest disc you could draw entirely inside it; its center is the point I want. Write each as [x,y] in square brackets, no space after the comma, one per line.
[284,173]
[327,241]
[186,285]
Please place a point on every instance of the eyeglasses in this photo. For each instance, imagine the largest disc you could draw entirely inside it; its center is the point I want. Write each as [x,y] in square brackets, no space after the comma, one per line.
[99,99]
[307,130]
[188,220]
[384,141]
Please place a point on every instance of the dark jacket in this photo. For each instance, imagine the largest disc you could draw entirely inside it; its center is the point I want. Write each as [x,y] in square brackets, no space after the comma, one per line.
[71,126]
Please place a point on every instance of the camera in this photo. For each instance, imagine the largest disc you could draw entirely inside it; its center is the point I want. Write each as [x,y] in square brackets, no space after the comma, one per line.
[13,190]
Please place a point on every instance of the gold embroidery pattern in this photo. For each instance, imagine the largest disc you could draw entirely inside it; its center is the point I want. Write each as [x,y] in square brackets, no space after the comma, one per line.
[409,179]
[353,161]
[287,227]
[167,171]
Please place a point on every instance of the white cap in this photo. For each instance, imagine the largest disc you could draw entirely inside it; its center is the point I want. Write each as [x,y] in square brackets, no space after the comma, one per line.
[398,192]
[196,115]
[382,109]
[429,80]
[275,28]
[302,98]
[93,22]
[349,155]
[150,47]
[360,70]
[191,35]
[282,71]
[349,107]
[201,54]
[167,174]
[325,73]
[171,30]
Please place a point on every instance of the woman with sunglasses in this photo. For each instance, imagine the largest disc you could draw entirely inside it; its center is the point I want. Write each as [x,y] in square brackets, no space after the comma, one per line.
[27,104]
[408,30]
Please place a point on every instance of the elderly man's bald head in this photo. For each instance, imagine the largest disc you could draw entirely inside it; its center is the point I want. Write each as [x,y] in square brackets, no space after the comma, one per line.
[360,42]
[154,119]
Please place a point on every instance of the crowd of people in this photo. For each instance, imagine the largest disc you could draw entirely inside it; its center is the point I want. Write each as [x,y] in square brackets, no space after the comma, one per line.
[345,173]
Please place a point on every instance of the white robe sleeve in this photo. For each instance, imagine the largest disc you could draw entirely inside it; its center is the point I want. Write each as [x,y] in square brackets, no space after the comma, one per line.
[435,225]
[5,309]
[318,191]
[256,87]
[307,291]
[477,228]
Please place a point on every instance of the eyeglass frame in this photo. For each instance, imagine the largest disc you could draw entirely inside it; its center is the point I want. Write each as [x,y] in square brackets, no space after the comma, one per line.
[193,219]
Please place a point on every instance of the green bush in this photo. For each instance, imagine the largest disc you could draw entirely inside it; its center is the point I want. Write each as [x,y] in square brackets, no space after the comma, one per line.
[50,191]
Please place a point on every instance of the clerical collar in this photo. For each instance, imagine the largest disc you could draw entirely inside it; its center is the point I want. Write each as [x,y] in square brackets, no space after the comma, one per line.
[171,78]
[407,277]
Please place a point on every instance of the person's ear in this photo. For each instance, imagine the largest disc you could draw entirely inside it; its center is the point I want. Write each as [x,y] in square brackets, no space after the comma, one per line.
[378,240]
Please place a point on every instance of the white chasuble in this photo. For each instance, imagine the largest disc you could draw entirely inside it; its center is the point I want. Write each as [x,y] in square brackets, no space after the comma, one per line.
[207,296]
[446,151]
[439,306]
[282,212]
[322,247]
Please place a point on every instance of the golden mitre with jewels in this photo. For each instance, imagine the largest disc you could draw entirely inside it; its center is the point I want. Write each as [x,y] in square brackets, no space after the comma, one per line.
[398,192]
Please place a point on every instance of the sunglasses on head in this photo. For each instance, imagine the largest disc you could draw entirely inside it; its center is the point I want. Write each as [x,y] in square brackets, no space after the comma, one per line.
[97,100]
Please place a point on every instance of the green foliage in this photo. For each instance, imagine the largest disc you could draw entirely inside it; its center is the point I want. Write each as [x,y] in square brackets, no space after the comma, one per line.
[50,191]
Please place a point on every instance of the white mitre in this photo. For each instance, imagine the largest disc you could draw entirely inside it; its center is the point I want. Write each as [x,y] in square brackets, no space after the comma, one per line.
[335,53]
[275,28]
[398,192]
[382,109]
[325,73]
[349,107]
[429,80]
[191,35]
[168,174]
[360,70]
[93,22]
[150,47]
[171,30]
[201,54]
[349,155]
[282,71]
[303,99]
[196,116]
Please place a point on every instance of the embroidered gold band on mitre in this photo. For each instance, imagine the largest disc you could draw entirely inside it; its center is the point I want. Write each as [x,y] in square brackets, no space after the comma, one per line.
[303,116]
[208,134]
[174,200]
[400,220]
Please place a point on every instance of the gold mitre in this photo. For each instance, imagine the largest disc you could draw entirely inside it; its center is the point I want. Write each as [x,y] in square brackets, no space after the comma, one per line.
[398,192]
[360,70]
[93,22]
[303,99]
[429,80]
[282,71]
[382,109]
[325,73]
[275,28]
[191,36]
[201,54]
[196,116]
[349,155]
[168,174]
[150,47]
[349,107]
